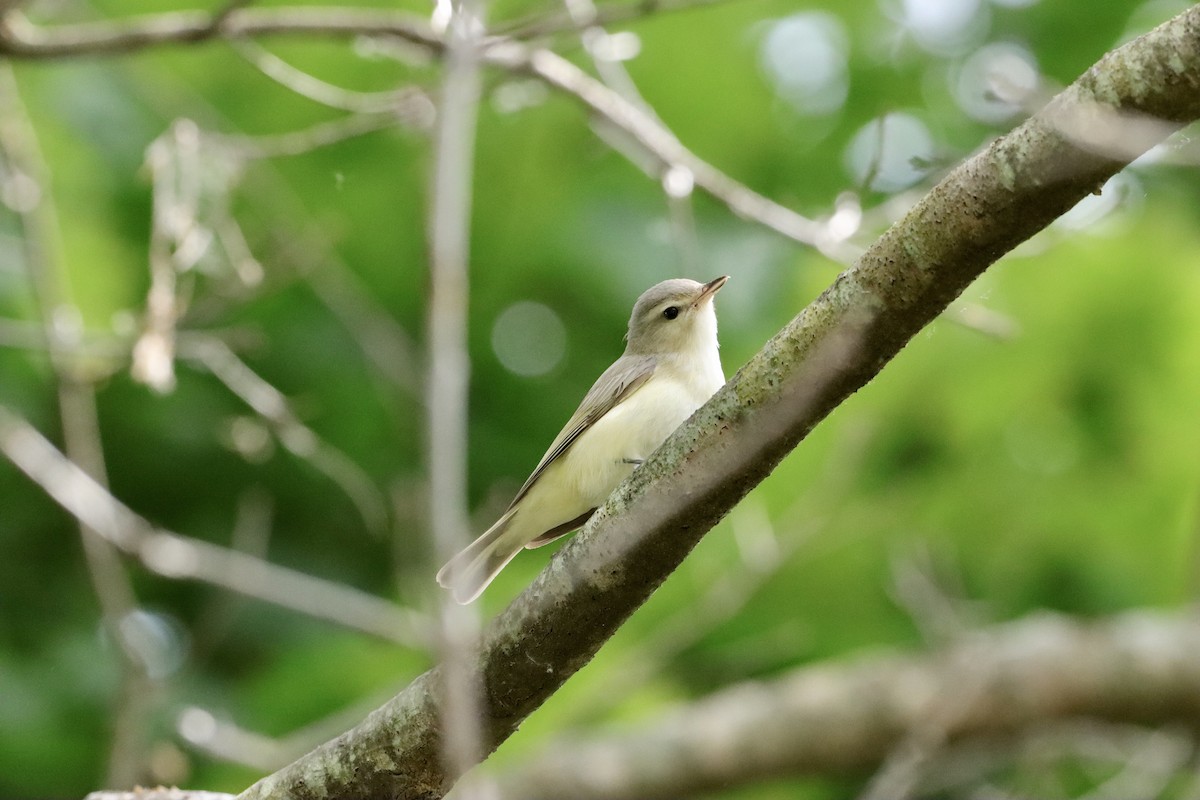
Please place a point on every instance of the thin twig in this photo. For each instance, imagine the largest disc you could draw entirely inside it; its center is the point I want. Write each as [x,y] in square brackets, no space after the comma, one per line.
[21,39]
[656,139]
[385,343]
[194,173]
[184,558]
[933,599]
[80,425]
[177,242]
[315,89]
[251,535]
[676,180]
[323,134]
[911,757]
[222,14]
[230,742]
[299,439]
[447,362]
[387,346]
[541,25]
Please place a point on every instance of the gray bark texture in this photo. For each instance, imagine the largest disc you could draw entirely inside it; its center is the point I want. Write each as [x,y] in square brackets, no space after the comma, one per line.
[980,211]
[840,718]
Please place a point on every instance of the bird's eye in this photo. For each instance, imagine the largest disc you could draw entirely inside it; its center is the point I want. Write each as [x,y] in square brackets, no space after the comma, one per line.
[671,312]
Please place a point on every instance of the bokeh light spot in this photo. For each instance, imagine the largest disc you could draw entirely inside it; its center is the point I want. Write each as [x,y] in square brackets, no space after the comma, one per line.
[620,46]
[197,725]
[995,81]
[885,154]
[678,182]
[943,27]
[529,338]
[513,96]
[158,640]
[805,56]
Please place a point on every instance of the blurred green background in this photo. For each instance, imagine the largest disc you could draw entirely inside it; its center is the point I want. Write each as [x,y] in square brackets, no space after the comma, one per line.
[1054,466]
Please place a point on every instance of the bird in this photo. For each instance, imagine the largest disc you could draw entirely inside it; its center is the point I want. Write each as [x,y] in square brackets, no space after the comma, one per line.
[670,367]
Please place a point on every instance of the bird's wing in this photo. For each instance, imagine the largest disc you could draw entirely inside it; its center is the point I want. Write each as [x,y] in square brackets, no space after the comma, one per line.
[611,388]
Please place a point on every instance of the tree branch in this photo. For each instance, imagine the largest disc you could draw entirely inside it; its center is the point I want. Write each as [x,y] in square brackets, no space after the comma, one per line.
[40,231]
[184,558]
[20,39]
[538,26]
[848,718]
[981,210]
[657,140]
[448,223]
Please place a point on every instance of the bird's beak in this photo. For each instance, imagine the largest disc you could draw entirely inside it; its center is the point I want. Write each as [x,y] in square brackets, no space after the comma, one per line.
[709,289]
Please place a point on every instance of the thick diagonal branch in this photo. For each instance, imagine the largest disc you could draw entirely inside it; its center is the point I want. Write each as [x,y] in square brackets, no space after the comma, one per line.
[980,211]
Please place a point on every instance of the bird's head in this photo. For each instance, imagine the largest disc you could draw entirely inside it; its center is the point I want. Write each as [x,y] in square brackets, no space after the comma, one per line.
[674,317]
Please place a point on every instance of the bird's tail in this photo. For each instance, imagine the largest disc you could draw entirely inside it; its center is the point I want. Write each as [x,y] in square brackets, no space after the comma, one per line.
[469,573]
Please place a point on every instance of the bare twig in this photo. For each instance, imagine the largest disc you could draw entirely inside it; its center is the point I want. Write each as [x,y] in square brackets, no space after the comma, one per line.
[448,370]
[226,740]
[194,173]
[982,319]
[873,165]
[676,180]
[932,598]
[384,342]
[185,558]
[298,438]
[20,39]
[387,346]
[222,13]
[929,733]
[23,163]
[187,184]
[542,25]
[251,535]
[411,111]
[1149,761]
[315,89]
[656,139]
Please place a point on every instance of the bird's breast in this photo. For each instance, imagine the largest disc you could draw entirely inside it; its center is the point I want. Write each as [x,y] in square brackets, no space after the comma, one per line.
[601,457]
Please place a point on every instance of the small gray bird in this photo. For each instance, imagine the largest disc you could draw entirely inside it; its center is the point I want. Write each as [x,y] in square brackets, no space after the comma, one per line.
[670,367]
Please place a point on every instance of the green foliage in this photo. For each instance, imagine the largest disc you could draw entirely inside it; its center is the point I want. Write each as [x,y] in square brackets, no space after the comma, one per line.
[1057,468]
